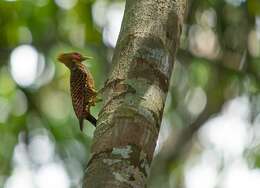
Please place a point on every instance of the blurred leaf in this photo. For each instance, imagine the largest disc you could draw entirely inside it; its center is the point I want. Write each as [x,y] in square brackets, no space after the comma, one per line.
[253,7]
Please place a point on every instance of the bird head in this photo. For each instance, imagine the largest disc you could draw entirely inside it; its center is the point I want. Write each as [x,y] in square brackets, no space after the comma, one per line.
[71,58]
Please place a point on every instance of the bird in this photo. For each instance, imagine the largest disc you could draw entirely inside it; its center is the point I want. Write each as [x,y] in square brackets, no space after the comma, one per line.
[82,86]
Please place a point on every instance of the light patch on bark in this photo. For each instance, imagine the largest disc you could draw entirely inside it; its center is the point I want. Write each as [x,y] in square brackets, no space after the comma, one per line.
[111,161]
[180,7]
[119,177]
[123,151]
[144,163]
[165,68]
[131,176]
[154,99]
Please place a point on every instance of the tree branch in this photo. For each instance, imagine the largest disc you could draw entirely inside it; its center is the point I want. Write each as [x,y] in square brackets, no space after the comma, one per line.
[135,93]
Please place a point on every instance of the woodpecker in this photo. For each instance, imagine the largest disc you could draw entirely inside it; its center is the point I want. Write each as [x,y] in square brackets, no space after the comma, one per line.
[82,87]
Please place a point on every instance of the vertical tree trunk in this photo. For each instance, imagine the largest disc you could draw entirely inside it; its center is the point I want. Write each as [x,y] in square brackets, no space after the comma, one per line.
[134,94]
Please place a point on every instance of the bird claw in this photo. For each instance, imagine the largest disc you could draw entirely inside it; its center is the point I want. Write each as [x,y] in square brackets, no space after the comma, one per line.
[98,100]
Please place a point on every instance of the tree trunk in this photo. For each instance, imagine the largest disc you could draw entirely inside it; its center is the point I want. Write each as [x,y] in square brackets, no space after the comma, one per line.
[134,95]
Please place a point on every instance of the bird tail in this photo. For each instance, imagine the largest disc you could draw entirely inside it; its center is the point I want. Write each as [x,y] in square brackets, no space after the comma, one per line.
[81,123]
[91,119]
[88,117]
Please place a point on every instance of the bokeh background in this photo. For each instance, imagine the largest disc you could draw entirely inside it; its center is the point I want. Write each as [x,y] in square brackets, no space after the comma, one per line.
[210,133]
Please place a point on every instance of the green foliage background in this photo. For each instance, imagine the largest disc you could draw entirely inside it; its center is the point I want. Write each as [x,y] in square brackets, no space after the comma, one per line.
[43,109]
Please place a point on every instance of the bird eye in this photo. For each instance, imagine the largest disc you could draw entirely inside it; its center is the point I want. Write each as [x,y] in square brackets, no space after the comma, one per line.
[76,56]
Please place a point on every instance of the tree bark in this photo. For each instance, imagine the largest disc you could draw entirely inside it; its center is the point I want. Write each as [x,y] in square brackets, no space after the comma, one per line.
[134,95]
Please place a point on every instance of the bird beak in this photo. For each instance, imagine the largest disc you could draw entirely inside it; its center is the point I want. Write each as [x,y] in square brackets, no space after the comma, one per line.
[86,58]
[60,58]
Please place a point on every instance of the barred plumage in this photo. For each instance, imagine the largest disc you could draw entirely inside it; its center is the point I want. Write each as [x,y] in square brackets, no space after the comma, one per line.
[83,93]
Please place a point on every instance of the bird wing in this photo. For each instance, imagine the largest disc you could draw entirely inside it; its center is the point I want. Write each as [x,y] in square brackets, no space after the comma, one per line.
[89,78]
[78,94]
